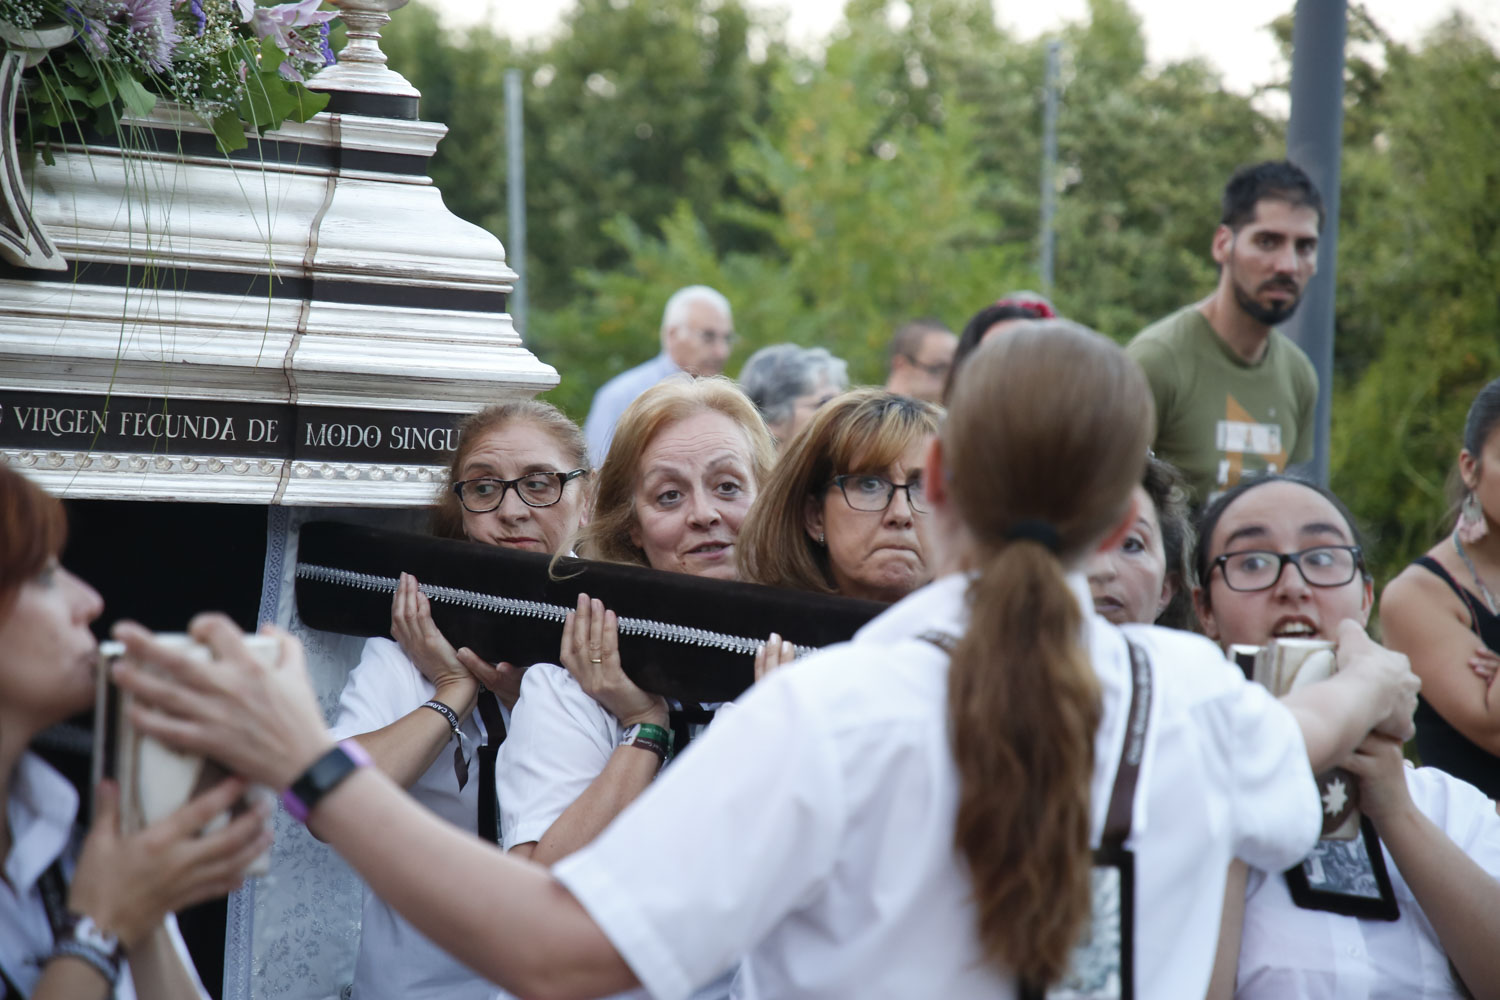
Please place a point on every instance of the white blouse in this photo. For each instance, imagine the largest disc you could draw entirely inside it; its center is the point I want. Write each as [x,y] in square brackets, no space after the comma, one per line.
[395,960]
[560,740]
[42,809]
[1288,953]
[811,829]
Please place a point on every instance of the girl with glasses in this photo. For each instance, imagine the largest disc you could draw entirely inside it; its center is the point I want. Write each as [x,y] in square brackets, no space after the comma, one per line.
[911,813]
[844,511]
[1281,558]
[432,716]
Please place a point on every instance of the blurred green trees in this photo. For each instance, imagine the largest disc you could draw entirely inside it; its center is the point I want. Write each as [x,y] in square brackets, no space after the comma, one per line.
[895,173]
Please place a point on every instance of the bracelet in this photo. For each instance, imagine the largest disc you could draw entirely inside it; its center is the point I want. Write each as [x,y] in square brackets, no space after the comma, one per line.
[105,964]
[461,753]
[649,736]
[445,712]
[325,774]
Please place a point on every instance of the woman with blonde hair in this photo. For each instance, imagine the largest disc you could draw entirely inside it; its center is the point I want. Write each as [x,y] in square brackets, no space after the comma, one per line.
[687,460]
[844,511]
[907,814]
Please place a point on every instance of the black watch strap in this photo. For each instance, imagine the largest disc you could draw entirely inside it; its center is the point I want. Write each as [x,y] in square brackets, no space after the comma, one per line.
[325,774]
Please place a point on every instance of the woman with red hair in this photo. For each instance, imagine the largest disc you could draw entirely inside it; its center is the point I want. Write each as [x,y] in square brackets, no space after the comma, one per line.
[96,922]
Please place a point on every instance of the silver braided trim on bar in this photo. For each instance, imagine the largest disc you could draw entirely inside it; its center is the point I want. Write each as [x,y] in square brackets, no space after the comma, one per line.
[648,627]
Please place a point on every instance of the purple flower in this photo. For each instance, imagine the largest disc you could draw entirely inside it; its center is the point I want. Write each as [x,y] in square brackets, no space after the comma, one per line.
[195,7]
[94,34]
[279,23]
[328,57]
[152,21]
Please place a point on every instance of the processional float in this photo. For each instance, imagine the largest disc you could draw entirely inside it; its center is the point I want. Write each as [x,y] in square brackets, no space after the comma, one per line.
[199,352]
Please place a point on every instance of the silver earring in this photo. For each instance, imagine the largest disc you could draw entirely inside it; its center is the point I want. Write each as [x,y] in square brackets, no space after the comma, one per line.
[822,539]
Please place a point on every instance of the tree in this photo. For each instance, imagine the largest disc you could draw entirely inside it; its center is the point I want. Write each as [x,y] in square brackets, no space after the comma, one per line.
[1417,285]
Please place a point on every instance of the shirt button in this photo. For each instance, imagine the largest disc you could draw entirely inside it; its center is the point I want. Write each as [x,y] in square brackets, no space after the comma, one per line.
[1353,951]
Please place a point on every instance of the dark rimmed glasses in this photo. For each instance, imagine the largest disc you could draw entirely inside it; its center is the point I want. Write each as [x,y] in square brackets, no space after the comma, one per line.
[536,489]
[863,491]
[937,369]
[1320,566]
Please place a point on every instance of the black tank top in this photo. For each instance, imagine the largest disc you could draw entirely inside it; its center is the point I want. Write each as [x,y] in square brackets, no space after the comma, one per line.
[1441,745]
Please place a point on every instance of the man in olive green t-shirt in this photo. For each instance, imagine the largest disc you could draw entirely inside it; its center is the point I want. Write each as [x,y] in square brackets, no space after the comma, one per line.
[1233,394]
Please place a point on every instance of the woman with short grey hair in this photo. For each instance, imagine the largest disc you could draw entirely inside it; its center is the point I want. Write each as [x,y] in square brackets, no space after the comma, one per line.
[788,383]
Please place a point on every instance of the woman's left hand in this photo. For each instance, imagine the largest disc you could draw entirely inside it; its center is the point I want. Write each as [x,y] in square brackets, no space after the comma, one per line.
[591,652]
[1381,770]
[503,679]
[773,654]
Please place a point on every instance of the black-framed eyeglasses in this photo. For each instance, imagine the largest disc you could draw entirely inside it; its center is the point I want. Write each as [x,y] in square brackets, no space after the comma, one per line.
[536,489]
[864,491]
[937,369]
[1320,566]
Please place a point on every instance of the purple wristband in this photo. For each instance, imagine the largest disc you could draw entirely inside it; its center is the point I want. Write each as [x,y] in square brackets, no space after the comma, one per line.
[322,777]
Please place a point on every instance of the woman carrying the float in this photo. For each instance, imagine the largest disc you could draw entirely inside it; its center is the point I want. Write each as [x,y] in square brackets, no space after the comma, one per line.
[431,716]
[844,510]
[889,818]
[1280,558]
[87,918]
[686,463]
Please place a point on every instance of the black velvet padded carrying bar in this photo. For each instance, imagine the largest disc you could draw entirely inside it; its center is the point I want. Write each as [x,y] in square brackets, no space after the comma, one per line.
[683,637]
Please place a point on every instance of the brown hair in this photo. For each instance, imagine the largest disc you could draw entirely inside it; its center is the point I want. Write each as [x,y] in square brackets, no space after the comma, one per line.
[33,529]
[447,514]
[607,535]
[865,430]
[1168,490]
[1050,424]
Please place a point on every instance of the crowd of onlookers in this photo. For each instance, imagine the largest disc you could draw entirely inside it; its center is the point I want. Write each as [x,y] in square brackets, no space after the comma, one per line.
[996,472]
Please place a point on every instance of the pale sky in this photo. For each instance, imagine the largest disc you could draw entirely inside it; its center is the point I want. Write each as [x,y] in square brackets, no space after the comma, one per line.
[1229,34]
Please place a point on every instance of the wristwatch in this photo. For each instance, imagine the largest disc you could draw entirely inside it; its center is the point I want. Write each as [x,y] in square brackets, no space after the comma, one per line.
[87,941]
[322,777]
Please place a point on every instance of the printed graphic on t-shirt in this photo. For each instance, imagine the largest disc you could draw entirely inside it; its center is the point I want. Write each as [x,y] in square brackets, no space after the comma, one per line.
[1239,434]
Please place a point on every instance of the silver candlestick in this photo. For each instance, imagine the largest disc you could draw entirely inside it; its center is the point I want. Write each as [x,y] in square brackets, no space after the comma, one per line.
[361,66]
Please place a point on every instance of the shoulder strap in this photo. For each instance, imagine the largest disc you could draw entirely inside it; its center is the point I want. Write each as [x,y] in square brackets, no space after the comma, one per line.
[1117,819]
[1436,568]
[494,734]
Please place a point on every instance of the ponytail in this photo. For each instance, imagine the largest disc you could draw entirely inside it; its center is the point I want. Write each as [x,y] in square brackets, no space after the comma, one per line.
[1023,704]
[1047,432]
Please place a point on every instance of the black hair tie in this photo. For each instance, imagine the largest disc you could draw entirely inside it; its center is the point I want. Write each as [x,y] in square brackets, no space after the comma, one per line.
[1041,532]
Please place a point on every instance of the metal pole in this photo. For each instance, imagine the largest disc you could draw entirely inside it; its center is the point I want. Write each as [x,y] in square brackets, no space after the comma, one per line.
[515,189]
[1049,165]
[1314,141]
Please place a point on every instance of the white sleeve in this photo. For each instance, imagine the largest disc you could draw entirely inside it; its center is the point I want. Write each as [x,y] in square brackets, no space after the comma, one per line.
[382,688]
[558,741]
[1463,812]
[1275,813]
[739,832]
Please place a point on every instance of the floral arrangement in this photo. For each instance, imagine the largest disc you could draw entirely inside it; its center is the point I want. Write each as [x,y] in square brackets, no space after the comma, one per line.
[232,63]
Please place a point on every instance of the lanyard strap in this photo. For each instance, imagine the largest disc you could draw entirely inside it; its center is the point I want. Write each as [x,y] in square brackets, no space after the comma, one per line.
[494,735]
[1118,818]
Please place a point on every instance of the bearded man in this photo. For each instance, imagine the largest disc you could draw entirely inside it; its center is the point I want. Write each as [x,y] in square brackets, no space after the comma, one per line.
[1233,394]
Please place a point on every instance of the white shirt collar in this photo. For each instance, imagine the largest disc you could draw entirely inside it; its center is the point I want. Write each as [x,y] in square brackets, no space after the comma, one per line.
[942,604]
[42,808]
